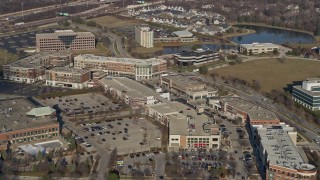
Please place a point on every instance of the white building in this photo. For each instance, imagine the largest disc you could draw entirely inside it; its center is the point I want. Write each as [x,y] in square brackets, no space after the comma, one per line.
[279,156]
[131,92]
[258,48]
[308,94]
[144,36]
[187,129]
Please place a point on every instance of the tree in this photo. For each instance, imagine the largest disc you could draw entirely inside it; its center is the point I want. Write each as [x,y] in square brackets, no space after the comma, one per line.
[275,52]
[250,52]
[245,52]
[113,176]
[39,156]
[203,69]
[256,85]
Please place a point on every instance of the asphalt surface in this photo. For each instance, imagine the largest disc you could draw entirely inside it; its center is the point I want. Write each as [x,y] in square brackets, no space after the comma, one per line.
[309,129]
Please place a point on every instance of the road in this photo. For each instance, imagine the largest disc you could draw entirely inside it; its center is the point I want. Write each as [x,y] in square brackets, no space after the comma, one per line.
[309,129]
[46,8]
[160,165]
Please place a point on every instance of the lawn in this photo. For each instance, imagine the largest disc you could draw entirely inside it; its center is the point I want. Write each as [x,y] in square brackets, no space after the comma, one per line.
[113,22]
[271,73]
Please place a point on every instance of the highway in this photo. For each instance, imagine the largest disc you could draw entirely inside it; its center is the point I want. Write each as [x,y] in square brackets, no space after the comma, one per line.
[46,8]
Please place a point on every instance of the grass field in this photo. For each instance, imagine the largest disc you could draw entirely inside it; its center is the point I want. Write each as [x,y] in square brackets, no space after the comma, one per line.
[142,50]
[113,22]
[271,73]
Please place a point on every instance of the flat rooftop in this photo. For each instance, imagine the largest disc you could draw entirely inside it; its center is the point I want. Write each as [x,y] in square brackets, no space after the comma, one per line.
[255,112]
[183,81]
[59,33]
[178,114]
[13,115]
[281,149]
[69,70]
[34,60]
[183,33]
[142,62]
[128,86]
[266,45]
[196,53]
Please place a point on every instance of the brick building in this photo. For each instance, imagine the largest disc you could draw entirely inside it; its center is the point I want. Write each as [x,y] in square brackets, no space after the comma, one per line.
[21,122]
[32,68]
[65,40]
[67,77]
[136,68]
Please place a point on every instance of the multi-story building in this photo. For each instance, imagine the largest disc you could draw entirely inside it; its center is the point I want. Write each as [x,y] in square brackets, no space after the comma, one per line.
[177,36]
[258,48]
[65,40]
[21,121]
[184,86]
[279,156]
[67,77]
[308,94]
[131,92]
[144,36]
[195,58]
[32,68]
[138,69]
[187,128]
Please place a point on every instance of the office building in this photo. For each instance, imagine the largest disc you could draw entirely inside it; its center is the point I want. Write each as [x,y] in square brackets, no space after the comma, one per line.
[186,87]
[195,58]
[32,68]
[144,36]
[258,48]
[21,122]
[67,77]
[175,37]
[308,94]
[279,156]
[65,40]
[138,69]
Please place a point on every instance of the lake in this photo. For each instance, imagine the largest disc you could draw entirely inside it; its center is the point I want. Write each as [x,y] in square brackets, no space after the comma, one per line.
[178,49]
[272,35]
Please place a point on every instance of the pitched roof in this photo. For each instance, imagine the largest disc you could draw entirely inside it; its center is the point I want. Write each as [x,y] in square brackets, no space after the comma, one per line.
[41,111]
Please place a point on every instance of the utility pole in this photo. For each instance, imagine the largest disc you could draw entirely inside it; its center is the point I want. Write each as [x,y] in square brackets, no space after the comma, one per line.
[22,11]
[60,7]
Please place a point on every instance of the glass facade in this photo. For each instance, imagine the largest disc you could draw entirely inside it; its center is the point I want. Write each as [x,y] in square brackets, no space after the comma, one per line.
[306,99]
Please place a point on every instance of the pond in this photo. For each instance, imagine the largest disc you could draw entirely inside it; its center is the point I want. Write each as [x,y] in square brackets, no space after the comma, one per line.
[272,35]
[178,49]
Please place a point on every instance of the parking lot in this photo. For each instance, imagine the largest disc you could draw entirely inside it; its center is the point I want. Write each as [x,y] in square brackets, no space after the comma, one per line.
[128,135]
[22,40]
[83,103]
[22,89]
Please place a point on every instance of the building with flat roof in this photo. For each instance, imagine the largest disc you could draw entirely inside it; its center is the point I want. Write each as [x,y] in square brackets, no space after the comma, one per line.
[32,68]
[177,36]
[131,92]
[187,128]
[67,77]
[144,36]
[280,157]
[136,68]
[258,48]
[195,58]
[308,94]
[21,121]
[65,40]
[189,88]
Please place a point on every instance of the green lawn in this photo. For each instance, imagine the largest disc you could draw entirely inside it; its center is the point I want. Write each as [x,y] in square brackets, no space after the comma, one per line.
[271,73]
